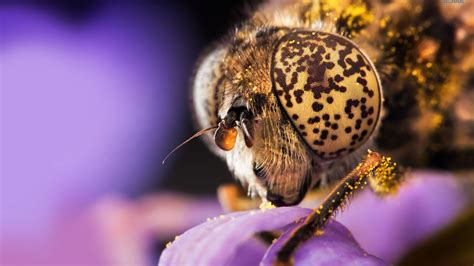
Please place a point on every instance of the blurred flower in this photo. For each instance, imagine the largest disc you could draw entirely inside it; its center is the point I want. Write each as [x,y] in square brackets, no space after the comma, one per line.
[85,108]
[385,227]
[129,229]
[114,231]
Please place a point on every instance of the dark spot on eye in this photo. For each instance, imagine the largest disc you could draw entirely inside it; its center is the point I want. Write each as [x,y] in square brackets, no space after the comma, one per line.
[325,117]
[348,130]
[301,68]
[318,142]
[304,134]
[371,110]
[317,106]
[355,136]
[298,94]
[327,124]
[368,91]
[337,116]
[301,126]
[361,81]
[295,117]
[333,137]
[370,121]
[324,134]
[316,130]
[334,126]
[330,99]
[313,120]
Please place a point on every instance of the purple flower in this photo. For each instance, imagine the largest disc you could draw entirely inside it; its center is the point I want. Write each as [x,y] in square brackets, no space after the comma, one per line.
[387,228]
[221,241]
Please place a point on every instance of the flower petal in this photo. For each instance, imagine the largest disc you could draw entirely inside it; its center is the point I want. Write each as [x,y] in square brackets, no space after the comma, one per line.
[389,227]
[249,253]
[335,246]
[216,242]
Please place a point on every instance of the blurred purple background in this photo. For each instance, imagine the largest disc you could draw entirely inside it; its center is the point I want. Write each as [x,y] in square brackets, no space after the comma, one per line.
[84,106]
[93,95]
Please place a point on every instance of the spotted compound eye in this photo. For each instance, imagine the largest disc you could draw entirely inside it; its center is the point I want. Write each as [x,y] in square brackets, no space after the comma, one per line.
[330,90]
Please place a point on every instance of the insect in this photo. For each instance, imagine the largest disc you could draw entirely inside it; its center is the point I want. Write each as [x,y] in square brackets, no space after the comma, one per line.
[293,98]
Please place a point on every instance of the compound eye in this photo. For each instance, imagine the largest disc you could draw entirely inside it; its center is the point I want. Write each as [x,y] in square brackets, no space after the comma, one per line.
[225,138]
[329,89]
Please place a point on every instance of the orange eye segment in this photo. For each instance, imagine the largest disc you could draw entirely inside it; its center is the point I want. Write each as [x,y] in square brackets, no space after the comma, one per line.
[225,138]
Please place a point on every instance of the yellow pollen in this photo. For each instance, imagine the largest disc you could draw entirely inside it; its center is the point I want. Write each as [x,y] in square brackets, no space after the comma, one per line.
[266,206]
[319,232]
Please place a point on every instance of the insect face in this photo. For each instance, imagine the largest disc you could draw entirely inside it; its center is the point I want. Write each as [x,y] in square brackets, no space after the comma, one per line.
[287,104]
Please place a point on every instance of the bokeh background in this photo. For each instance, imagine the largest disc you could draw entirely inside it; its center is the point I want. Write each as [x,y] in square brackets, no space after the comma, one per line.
[94,94]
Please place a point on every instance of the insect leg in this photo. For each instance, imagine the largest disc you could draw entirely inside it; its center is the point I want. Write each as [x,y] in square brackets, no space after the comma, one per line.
[375,170]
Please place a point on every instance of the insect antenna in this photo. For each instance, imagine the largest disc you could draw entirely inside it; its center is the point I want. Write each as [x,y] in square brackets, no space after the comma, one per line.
[197,134]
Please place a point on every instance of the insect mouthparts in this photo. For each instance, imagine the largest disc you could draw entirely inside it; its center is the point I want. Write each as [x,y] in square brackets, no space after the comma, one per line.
[225,137]
[197,134]
[226,133]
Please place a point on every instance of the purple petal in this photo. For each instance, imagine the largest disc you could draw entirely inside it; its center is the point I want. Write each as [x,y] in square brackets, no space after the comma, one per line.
[335,246]
[389,227]
[249,253]
[217,242]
